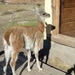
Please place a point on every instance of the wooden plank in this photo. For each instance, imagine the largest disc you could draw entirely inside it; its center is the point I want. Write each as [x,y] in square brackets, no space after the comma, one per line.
[65,40]
[68,3]
[67,27]
[68,15]
[71,33]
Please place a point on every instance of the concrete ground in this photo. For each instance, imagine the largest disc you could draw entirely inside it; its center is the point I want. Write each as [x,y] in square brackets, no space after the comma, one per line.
[21,67]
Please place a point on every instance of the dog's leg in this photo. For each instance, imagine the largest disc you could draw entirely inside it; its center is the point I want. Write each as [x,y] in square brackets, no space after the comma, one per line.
[29,56]
[13,61]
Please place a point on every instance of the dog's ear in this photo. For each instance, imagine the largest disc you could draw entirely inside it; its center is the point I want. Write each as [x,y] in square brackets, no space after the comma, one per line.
[46,23]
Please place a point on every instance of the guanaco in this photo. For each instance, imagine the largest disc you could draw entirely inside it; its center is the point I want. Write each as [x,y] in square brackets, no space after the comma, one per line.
[31,37]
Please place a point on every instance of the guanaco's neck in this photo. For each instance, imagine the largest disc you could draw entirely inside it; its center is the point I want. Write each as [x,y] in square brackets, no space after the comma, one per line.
[40,26]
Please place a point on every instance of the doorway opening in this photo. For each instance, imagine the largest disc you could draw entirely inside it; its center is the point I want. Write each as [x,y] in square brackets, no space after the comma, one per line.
[67,17]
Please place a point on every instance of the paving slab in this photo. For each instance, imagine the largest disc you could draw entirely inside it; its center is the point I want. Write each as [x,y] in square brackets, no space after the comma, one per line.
[21,67]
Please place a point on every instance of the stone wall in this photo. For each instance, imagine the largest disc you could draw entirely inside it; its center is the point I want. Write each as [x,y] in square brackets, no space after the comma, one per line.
[22,1]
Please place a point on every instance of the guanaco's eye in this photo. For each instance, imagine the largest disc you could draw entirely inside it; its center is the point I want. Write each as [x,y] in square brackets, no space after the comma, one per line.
[43,13]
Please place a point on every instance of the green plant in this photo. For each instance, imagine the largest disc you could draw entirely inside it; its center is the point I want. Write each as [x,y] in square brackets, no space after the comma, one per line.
[30,23]
[11,24]
[14,23]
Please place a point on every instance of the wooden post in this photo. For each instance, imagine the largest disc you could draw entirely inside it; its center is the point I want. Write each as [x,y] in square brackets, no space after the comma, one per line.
[55,13]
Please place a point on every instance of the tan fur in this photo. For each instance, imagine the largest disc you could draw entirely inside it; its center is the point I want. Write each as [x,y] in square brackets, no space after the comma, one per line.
[17,39]
[18,31]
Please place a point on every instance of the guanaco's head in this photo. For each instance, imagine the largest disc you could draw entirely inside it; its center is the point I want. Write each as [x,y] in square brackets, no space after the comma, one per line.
[41,15]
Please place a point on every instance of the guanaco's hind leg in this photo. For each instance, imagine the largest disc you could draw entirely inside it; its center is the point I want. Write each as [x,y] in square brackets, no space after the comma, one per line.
[16,42]
[13,61]
[7,50]
[7,57]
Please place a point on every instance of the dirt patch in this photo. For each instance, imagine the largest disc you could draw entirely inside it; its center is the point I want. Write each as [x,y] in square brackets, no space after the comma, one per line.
[56,62]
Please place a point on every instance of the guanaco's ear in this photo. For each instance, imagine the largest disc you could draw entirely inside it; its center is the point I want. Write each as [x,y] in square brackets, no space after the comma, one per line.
[36,10]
